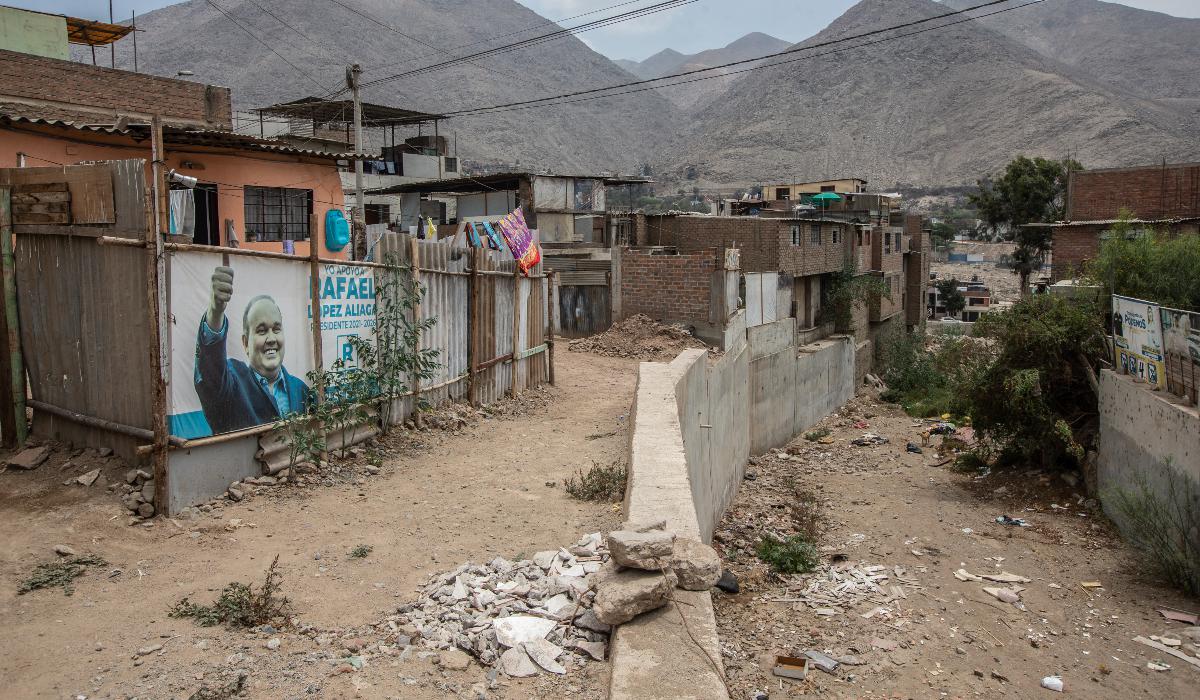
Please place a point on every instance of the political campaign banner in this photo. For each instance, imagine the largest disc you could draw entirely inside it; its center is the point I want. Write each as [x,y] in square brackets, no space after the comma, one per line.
[1138,340]
[241,337]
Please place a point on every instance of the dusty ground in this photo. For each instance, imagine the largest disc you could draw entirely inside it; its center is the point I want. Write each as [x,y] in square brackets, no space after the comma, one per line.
[1005,285]
[885,506]
[468,496]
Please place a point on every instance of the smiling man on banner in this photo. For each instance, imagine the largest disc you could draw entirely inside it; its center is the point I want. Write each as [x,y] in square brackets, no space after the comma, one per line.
[234,394]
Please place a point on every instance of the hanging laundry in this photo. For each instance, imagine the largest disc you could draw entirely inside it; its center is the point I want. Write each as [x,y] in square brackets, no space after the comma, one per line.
[431,231]
[473,236]
[493,238]
[520,241]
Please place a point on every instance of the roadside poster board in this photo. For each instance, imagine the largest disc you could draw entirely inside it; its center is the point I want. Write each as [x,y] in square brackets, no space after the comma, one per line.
[1138,340]
[241,337]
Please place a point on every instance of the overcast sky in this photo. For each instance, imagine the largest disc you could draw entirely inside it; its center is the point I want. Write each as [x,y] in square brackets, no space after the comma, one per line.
[701,25]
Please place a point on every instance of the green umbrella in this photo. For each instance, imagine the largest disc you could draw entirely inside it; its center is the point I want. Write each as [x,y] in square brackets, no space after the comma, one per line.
[825,198]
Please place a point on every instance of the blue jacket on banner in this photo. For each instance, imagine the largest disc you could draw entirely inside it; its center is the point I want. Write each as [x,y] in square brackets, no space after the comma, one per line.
[233,395]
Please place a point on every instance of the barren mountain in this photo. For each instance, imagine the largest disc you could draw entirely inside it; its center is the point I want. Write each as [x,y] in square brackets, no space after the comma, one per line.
[937,108]
[324,37]
[1145,53]
[669,61]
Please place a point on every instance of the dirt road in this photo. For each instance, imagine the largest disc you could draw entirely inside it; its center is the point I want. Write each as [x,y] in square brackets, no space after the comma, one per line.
[469,496]
[941,636]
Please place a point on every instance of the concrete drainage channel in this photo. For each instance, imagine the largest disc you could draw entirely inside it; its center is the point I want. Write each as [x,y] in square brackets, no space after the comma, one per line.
[694,424]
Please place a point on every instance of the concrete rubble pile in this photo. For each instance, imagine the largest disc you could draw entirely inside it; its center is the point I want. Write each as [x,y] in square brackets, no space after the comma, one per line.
[525,617]
[648,562]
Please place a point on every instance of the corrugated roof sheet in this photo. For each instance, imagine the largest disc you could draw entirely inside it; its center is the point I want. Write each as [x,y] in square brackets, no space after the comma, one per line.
[19,114]
[1110,222]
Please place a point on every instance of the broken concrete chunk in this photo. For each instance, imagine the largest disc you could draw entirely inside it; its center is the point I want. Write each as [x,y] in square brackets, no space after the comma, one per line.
[587,620]
[592,649]
[30,458]
[560,606]
[545,559]
[516,664]
[63,550]
[641,550]
[697,565]
[545,654]
[517,629]
[630,593]
[89,478]
[643,525]
[454,660]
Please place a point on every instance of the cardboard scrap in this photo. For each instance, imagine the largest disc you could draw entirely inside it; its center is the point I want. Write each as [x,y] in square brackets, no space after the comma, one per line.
[1180,616]
[1168,650]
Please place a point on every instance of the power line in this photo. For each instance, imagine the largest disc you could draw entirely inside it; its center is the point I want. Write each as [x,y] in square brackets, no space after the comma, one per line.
[534,41]
[390,28]
[297,31]
[530,28]
[264,43]
[545,101]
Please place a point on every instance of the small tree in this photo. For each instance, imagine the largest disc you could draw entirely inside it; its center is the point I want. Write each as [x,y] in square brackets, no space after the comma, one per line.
[1031,190]
[848,289]
[1148,265]
[952,299]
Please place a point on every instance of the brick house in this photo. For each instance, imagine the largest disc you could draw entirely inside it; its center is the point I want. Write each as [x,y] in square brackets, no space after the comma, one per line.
[271,194]
[1162,197]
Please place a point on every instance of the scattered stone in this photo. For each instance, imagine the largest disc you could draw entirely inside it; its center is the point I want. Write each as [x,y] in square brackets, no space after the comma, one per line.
[455,660]
[104,452]
[146,651]
[592,649]
[587,620]
[145,510]
[148,491]
[630,593]
[516,664]
[728,582]
[235,494]
[518,629]
[63,550]
[545,654]
[29,458]
[131,476]
[649,550]
[273,643]
[89,478]
[697,565]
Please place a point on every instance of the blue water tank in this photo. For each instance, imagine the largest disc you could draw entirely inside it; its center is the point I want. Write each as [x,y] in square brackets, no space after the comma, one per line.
[337,230]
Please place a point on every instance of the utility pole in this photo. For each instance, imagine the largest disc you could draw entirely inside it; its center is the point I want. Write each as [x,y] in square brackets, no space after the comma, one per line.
[358,239]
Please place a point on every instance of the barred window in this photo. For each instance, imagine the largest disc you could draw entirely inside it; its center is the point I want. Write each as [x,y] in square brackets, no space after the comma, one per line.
[837,234]
[815,235]
[795,234]
[277,213]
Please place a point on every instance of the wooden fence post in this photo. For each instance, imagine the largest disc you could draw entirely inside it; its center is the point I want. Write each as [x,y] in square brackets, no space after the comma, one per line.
[473,293]
[157,297]
[551,302]
[13,427]
[516,327]
[414,253]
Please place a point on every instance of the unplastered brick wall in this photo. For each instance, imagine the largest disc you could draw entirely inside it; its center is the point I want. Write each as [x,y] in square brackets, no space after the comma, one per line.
[758,239]
[667,287]
[1153,192]
[25,77]
[819,247]
[1073,246]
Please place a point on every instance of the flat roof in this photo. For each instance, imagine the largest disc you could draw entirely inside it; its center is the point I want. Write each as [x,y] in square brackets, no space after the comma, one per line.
[1109,222]
[326,111]
[493,182]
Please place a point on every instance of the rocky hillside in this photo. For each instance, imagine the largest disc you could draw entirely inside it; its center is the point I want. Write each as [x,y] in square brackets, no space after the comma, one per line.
[670,61]
[1149,54]
[323,38]
[942,107]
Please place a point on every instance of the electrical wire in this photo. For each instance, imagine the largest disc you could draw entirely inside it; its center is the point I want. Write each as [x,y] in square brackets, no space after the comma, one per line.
[534,41]
[268,46]
[539,102]
[390,28]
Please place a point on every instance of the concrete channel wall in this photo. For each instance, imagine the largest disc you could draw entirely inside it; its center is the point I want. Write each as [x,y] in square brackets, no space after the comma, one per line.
[694,424]
[1146,438]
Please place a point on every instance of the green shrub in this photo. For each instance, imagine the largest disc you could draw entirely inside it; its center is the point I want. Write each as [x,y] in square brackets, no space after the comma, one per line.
[1166,532]
[814,435]
[361,551]
[239,605]
[59,573]
[602,482]
[794,555]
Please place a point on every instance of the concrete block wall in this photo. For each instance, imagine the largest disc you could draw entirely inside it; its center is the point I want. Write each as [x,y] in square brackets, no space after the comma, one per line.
[1145,436]
[668,288]
[694,424]
[809,258]
[78,86]
[1072,247]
